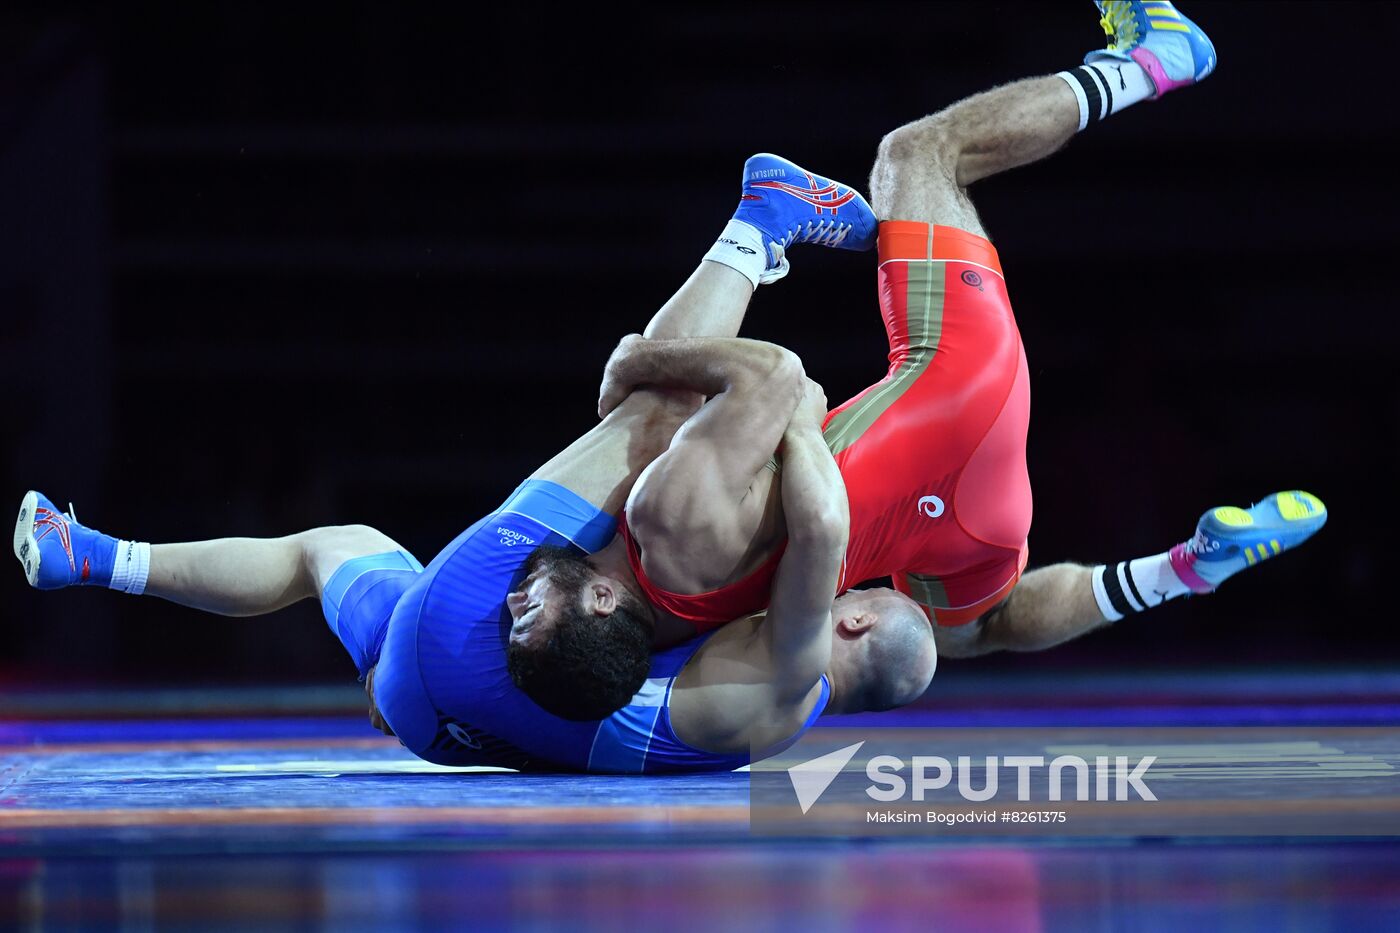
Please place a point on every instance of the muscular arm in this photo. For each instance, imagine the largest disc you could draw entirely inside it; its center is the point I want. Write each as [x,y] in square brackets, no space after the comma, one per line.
[674,375]
[707,365]
[689,510]
[797,630]
[752,691]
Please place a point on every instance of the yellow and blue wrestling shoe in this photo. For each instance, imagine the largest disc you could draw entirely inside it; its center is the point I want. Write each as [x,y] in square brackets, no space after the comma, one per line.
[56,551]
[1172,50]
[788,204]
[1229,539]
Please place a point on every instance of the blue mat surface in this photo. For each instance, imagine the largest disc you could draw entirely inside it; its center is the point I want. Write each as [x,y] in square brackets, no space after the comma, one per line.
[219,812]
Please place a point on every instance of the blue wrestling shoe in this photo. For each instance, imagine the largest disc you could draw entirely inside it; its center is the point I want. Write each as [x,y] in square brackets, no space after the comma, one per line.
[56,551]
[1172,50]
[1229,539]
[788,204]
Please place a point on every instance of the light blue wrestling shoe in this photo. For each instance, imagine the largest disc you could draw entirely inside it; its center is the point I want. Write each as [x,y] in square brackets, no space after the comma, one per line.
[56,551]
[1229,539]
[788,204]
[1172,50]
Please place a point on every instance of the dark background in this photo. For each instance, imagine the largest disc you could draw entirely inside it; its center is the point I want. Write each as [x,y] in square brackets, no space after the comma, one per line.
[265,269]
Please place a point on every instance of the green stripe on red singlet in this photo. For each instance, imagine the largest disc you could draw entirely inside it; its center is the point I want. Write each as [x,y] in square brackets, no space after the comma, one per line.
[924,293]
[927,591]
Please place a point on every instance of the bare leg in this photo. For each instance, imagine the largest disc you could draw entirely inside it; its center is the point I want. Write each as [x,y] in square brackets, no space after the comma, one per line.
[603,465]
[923,169]
[711,303]
[254,576]
[1050,605]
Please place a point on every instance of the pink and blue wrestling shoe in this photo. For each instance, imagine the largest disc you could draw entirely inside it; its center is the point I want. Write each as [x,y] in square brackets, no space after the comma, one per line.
[1229,539]
[788,204]
[1172,50]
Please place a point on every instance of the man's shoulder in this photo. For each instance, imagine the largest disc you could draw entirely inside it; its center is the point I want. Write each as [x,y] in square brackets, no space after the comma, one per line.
[491,538]
[537,512]
[548,506]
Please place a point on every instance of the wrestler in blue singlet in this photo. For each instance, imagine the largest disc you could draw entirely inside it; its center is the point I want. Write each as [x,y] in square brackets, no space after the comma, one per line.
[438,637]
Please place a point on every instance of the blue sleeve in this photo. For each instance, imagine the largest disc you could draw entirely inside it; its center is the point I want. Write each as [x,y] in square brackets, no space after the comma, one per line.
[563,512]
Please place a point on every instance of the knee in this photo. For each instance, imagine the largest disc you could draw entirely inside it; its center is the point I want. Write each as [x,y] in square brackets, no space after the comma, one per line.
[323,550]
[360,532]
[896,148]
[924,145]
[962,641]
[336,537]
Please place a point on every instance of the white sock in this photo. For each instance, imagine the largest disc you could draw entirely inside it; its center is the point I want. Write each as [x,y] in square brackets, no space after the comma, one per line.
[1132,586]
[133,564]
[741,248]
[1106,87]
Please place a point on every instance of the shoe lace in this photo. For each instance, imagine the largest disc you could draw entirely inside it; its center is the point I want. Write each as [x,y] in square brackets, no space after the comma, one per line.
[827,233]
[72,514]
[1120,25]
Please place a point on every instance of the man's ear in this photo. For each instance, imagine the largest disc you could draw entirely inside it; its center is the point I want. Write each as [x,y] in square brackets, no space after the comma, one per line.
[604,598]
[856,624]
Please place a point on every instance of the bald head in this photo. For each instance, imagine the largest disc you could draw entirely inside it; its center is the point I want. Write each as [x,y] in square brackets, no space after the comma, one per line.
[883,654]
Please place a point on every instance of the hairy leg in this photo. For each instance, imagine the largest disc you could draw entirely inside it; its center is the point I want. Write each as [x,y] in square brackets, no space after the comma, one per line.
[923,169]
[1050,605]
[254,576]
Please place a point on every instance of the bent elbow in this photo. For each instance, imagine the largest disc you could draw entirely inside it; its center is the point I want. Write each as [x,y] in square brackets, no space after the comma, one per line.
[777,372]
[788,375]
[826,529]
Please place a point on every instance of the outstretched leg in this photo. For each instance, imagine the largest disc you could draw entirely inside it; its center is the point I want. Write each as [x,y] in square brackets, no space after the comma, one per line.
[227,576]
[1054,604]
[255,576]
[355,571]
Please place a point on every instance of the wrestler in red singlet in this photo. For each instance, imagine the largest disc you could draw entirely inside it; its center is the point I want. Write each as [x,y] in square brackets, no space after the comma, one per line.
[933,455]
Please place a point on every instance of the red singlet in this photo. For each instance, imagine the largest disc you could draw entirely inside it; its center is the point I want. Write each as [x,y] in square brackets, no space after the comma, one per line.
[933,455]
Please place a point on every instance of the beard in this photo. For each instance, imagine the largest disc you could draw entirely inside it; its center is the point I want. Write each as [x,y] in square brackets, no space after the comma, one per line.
[569,573]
